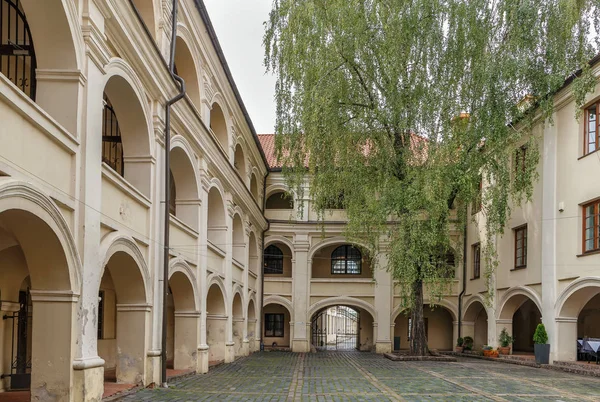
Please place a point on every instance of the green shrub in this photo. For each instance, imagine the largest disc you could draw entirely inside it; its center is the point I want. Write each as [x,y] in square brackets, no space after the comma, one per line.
[460,341]
[505,339]
[540,336]
[468,342]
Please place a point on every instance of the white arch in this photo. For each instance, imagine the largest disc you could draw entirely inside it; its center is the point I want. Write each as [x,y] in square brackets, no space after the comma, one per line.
[277,188]
[518,291]
[251,298]
[273,299]
[279,239]
[15,194]
[473,299]
[449,306]
[237,289]
[180,142]
[592,283]
[215,279]
[344,301]
[328,242]
[116,242]
[180,265]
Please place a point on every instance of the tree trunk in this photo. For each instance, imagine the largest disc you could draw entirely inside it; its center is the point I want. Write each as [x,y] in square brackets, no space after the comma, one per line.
[418,337]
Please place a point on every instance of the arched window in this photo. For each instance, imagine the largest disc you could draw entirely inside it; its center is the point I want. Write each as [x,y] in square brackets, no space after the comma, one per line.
[112,146]
[346,260]
[273,260]
[17,56]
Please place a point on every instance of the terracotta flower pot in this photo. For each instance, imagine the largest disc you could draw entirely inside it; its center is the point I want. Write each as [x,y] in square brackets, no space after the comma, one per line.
[458,349]
[504,350]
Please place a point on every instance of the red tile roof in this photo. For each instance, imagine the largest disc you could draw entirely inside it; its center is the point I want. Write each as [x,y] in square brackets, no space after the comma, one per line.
[267,141]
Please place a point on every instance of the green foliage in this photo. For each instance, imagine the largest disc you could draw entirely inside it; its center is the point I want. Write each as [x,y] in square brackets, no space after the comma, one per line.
[368,93]
[468,342]
[459,341]
[505,339]
[540,336]
[487,347]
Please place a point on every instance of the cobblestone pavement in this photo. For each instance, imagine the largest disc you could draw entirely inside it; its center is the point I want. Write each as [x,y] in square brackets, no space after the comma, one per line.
[354,376]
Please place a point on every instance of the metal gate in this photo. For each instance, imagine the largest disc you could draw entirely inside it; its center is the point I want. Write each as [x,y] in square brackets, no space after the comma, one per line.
[336,328]
[17,57]
[20,366]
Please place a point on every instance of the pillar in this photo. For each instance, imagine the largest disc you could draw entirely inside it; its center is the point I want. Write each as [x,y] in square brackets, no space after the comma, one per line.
[132,342]
[301,274]
[187,326]
[384,285]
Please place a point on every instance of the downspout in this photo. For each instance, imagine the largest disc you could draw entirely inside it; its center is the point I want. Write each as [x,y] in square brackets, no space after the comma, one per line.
[464,280]
[262,266]
[167,189]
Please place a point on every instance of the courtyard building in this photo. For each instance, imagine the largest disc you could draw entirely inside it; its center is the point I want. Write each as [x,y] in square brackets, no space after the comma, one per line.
[83,89]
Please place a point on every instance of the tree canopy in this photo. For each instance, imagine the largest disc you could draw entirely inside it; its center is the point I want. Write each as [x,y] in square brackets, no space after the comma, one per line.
[406,107]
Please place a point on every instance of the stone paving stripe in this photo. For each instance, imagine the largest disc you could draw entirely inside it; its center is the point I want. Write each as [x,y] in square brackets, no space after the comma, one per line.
[385,390]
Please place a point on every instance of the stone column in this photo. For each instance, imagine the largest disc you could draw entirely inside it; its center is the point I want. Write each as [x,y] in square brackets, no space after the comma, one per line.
[383,306]
[229,344]
[187,327]
[133,321]
[245,341]
[203,355]
[301,274]
[566,336]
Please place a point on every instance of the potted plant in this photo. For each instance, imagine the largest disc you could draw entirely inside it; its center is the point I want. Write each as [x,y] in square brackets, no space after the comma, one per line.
[459,345]
[505,341]
[467,343]
[488,351]
[541,346]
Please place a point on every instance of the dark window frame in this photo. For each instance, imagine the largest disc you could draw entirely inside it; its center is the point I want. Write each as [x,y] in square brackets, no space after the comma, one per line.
[522,262]
[586,134]
[476,251]
[112,144]
[350,254]
[274,326]
[595,205]
[478,202]
[273,260]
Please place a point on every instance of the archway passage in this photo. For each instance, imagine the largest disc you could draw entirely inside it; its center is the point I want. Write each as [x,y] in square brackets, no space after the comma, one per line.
[216,325]
[475,324]
[525,321]
[37,292]
[123,320]
[336,328]
[439,329]
[253,336]
[238,325]
[277,329]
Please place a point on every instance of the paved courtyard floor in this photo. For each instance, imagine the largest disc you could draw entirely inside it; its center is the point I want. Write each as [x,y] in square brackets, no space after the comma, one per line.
[354,376]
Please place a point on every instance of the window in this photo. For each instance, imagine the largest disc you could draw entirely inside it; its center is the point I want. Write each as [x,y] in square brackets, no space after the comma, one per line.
[476,260]
[521,247]
[520,155]
[17,56]
[274,325]
[101,314]
[280,201]
[273,260]
[591,226]
[591,141]
[112,147]
[346,260]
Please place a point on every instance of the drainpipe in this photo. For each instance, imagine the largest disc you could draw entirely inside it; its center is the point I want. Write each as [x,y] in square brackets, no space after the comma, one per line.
[167,189]
[262,273]
[464,279]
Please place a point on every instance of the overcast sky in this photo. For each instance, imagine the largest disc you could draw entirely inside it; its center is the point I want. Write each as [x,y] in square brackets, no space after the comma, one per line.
[240,29]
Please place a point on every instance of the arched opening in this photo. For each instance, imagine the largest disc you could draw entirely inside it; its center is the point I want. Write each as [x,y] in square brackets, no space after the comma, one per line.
[186,69]
[48,74]
[238,325]
[439,329]
[277,261]
[217,227]
[579,320]
[277,327]
[17,54]
[251,329]
[336,328]
[184,193]
[475,324]
[123,318]
[146,10]
[253,261]
[183,324]
[340,261]
[254,187]
[125,135]
[239,245]
[520,316]
[239,162]
[218,125]
[37,289]
[216,325]
[280,200]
